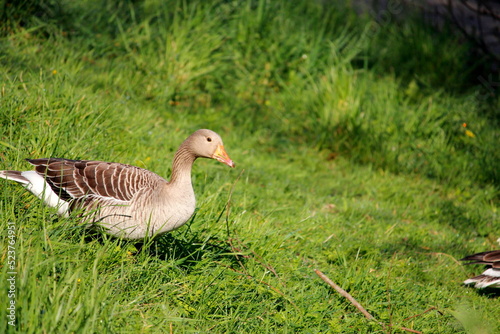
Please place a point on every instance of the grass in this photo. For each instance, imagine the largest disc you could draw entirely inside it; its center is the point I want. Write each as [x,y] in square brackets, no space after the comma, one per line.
[366,151]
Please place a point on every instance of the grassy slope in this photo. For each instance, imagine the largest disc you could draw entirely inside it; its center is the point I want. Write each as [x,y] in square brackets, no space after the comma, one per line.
[351,157]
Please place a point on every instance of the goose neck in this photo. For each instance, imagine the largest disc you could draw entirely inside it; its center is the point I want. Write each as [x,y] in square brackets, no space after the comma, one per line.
[182,165]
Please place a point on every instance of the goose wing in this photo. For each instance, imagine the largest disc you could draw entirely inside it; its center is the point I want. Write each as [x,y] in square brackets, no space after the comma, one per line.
[80,179]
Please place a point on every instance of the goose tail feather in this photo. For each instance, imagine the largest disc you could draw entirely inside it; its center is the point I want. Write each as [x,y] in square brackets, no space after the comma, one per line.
[490,278]
[37,185]
[14,175]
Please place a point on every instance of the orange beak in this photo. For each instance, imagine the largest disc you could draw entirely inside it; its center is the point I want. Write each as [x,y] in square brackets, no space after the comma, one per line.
[220,154]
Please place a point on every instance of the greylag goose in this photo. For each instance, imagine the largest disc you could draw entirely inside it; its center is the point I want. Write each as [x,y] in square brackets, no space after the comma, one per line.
[490,278]
[125,201]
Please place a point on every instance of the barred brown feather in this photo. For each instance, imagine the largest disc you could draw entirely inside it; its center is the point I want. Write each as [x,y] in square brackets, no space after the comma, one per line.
[81,178]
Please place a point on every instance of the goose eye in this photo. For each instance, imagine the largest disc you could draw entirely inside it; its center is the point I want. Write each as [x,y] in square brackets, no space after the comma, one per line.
[209,139]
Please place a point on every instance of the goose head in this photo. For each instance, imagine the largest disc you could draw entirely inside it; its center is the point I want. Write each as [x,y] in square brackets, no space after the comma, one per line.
[208,144]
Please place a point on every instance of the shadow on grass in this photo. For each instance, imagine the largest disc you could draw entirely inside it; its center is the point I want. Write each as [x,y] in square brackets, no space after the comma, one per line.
[189,252]
[491,293]
[186,253]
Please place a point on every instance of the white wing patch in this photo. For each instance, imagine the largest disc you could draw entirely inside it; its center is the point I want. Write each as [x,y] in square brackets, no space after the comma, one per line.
[492,272]
[40,188]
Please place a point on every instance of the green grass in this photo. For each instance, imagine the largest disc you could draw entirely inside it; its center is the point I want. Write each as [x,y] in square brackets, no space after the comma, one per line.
[351,152]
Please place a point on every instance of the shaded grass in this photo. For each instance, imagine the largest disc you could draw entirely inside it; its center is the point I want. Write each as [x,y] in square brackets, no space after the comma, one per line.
[347,165]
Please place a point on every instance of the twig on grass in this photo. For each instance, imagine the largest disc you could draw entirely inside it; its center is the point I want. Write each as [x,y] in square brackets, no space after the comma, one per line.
[439,254]
[409,330]
[345,294]
[428,310]
[256,257]
[358,305]
[235,252]
[228,204]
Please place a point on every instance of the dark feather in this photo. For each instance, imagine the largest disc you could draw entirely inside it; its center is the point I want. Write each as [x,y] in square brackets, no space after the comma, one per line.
[491,258]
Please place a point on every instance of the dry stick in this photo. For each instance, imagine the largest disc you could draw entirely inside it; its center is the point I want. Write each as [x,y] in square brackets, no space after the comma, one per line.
[228,204]
[439,253]
[257,258]
[428,310]
[228,210]
[345,294]
[355,302]
[410,330]
[236,251]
